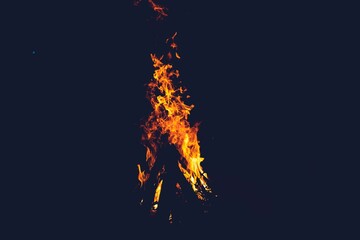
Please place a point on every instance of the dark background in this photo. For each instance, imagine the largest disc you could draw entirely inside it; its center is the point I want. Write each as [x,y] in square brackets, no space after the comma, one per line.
[260,76]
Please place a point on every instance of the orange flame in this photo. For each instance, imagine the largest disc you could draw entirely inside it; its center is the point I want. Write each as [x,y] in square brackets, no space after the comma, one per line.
[142,176]
[170,117]
[159,9]
[156,7]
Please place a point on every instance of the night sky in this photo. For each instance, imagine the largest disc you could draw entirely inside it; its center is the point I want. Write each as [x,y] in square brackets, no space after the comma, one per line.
[255,73]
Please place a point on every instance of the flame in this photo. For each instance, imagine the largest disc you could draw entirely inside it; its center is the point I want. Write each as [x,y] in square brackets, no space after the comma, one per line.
[156,7]
[170,118]
[142,176]
[159,9]
[157,196]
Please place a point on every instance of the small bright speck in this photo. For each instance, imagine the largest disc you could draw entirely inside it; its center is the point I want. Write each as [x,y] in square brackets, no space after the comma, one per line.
[33,52]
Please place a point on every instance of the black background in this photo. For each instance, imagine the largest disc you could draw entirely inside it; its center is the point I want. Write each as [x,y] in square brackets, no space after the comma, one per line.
[260,76]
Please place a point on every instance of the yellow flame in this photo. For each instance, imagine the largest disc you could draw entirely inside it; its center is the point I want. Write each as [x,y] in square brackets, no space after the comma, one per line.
[170,117]
[157,196]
